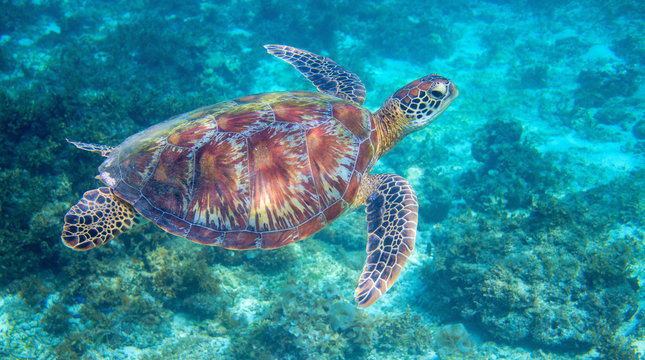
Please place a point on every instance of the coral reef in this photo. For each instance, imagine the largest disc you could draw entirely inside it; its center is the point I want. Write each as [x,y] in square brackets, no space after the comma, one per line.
[513,173]
[34,292]
[534,286]
[346,233]
[630,48]
[56,320]
[595,87]
[559,277]
[174,276]
[639,130]
[453,339]
[308,314]
[612,113]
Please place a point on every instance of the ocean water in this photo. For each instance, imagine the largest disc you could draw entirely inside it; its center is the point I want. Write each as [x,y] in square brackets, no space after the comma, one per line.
[530,185]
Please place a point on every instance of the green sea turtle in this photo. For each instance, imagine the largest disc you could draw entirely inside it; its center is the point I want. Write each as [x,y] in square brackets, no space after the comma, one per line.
[266,170]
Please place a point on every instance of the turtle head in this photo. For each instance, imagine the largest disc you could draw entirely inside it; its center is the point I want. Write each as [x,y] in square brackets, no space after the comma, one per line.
[412,108]
[422,100]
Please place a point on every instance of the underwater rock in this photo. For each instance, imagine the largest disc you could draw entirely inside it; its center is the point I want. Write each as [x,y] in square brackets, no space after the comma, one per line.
[175,276]
[614,113]
[346,232]
[570,46]
[630,48]
[34,292]
[403,330]
[453,339]
[272,261]
[201,305]
[596,87]
[56,321]
[512,327]
[562,326]
[639,147]
[495,140]
[342,315]
[555,278]
[435,199]
[639,130]
[513,173]
[534,77]
[72,348]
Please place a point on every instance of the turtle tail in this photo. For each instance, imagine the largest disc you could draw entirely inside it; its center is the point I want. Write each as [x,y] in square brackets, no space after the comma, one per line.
[104,150]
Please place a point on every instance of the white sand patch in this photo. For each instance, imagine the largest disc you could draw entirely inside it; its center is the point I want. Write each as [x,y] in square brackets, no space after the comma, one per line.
[593,163]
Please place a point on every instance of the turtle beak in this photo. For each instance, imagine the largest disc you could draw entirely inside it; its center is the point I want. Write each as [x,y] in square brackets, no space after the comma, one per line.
[454,92]
[451,93]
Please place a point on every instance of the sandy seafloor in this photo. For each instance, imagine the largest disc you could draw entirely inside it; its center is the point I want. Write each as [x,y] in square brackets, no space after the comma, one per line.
[530,242]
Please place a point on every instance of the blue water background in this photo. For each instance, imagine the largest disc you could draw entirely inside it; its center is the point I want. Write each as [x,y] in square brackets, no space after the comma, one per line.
[530,184]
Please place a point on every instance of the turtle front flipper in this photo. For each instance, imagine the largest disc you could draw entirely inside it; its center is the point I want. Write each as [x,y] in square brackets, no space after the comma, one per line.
[392,213]
[97,218]
[324,73]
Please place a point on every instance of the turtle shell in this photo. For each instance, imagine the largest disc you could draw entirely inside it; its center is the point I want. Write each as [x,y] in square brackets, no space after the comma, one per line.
[261,171]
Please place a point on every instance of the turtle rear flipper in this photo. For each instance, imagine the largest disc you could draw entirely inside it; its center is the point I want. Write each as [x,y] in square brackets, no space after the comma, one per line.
[392,213]
[97,218]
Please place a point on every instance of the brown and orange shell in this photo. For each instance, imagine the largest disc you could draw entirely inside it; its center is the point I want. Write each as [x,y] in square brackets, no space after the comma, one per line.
[261,171]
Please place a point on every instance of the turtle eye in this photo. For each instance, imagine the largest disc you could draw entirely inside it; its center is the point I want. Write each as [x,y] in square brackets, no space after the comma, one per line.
[437,93]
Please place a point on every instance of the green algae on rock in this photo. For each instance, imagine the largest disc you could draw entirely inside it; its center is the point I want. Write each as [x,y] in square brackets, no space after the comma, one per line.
[524,280]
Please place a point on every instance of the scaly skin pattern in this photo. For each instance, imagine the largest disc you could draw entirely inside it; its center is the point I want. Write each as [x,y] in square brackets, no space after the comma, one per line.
[96,219]
[326,75]
[261,171]
[392,218]
[409,108]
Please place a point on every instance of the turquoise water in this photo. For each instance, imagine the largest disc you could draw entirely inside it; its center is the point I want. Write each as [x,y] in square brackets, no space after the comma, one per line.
[530,234]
